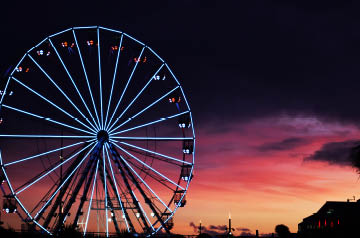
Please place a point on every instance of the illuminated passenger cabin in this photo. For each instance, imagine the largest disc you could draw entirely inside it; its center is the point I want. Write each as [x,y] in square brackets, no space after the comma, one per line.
[177,198]
[170,221]
[188,146]
[184,121]
[9,205]
[334,219]
[186,172]
[2,178]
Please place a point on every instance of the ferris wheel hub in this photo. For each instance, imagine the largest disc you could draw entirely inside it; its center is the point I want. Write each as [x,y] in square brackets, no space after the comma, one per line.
[102,135]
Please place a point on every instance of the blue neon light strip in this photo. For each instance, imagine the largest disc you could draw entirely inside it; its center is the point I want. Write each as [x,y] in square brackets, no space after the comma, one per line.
[152,191]
[139,93]
[61,91]
[91,198]
[53,104]
[151,168]
[46,136]
[46,204]
[142,210]
[137,114]
[150,123]
[47,119]
[42,176]
[86,77]
[9,78]
[60,32]
[12,190]
[134,39]
[72,81]
[127,84]
[114,77]
[108,29]
[167,66]
[45,153]
[156,153]
[151,138]
[84,27]
[116,187]
[100,81]
[105,194]
[156,54]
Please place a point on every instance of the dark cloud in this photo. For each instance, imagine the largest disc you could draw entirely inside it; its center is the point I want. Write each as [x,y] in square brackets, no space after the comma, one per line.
[220,229]
[211,229]
[243,229]
[286,144]
[335,153]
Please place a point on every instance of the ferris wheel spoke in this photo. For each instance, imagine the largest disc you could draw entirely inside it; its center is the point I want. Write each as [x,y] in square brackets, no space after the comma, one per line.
[144,213]
[14,136]
[86,77]
[154,176]
[11,188]
[143,110]
[107,194]
[143,181]
[126,86]
[45,153]
[100,83]
[51,170]
[114,78]
[152,138]
[141,91]
[61,91]
[110,118]
[122,168]
[91,198]
[149,167]
[147,200]
[53,104]
[155,153]
[95,155]
[149,123]
[115,188]
[85,193]
[103,173]
[67,178]
[74,84]
[46,119]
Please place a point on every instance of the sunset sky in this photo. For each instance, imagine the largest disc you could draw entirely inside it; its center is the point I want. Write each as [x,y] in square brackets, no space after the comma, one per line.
[273,88]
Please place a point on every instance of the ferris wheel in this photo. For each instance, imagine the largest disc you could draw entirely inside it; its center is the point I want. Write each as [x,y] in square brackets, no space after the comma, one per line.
[96,134]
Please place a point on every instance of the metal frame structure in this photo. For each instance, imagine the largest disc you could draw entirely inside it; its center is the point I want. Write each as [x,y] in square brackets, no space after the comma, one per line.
[104,157]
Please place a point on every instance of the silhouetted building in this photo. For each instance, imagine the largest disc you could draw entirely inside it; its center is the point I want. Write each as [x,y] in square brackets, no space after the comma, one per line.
[334,219]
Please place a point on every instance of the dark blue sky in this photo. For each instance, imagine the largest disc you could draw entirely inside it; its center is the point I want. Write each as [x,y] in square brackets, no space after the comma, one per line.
[236,59]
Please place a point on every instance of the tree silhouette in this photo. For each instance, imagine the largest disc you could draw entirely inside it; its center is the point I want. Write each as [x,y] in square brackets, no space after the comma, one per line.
[282,231]
[355,158]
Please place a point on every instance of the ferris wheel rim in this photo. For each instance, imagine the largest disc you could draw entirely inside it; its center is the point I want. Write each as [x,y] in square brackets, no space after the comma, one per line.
[98,122]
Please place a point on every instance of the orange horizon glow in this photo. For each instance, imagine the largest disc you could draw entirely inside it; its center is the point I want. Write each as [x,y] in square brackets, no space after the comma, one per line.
[261,188]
